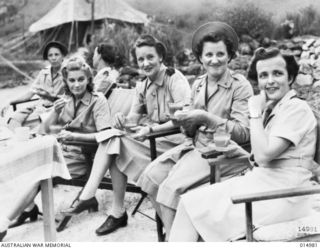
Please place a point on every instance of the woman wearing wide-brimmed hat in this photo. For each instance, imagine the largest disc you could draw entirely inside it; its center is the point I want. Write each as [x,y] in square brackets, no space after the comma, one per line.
[219,98]
[283,140]
[48,85]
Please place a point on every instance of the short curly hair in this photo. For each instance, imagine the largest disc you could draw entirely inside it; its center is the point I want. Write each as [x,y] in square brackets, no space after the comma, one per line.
[111,54]
[267,53]
[216,37]
[74,64]
[149,40]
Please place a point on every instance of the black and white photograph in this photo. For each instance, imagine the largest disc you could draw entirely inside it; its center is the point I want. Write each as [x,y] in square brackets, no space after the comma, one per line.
[159,121]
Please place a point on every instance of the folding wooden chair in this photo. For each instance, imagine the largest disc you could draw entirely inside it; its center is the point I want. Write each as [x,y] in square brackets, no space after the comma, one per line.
[217,159]
[115,96]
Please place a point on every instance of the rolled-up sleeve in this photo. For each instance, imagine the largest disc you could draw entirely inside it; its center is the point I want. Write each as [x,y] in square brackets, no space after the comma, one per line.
[180,88]
[295,122]
[101,114]
[138,102]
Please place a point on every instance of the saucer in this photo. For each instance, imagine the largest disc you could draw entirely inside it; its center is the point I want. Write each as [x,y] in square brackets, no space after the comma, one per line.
[229,147]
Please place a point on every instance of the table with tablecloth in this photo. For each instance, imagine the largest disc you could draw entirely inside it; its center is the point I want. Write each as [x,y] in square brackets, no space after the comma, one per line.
[24,163]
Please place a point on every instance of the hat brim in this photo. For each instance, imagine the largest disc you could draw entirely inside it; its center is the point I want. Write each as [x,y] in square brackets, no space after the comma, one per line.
[214,28]
[54,44]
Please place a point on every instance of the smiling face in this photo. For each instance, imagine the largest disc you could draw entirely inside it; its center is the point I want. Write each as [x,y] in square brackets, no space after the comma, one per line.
[55,57]
[273,77]
[148,61]
[77,82]
[214,58]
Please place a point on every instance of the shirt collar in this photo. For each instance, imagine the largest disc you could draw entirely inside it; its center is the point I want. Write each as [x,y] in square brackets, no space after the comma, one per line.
[47,70]
[284,99]
[86,99]
[226,79]
[160,77]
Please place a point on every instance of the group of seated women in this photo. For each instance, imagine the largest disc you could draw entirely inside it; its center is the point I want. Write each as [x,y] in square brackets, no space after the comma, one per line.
[280,126]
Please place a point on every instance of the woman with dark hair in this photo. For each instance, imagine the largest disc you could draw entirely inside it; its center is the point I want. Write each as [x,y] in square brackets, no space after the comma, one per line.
[283,140]
[219,100]
[107,60]
[127,154]
[76,116]
[48,85]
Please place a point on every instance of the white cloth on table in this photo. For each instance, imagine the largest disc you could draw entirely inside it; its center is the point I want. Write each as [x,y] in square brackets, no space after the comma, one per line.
[23,164]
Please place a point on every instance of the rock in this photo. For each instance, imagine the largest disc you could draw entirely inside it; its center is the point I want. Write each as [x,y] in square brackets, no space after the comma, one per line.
[317,63]
[316,73]
[305,55]
[312,50]
[316,84]
[317,51]
[308,43]
[304,79]
[317,43]
[297,39]
[305,67]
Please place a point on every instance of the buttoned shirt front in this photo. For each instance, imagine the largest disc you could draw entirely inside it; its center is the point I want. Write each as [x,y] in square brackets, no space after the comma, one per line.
[92,114]
[53,85]
[229,102]
[152,98]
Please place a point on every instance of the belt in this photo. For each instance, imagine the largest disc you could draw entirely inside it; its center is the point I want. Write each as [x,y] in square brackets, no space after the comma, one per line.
[306,163]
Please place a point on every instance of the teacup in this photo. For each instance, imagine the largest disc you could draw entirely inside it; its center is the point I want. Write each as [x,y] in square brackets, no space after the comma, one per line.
[221,139]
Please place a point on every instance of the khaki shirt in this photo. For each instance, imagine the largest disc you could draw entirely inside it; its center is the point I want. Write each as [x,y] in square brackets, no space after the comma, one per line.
[44,80]
[91,115]
[104,79]
[152,98]
[229,102]
[293,120]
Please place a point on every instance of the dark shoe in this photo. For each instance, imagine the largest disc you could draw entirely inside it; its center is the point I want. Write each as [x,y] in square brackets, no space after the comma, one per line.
[82,205]
[32,215]
[111,224]
[2,235]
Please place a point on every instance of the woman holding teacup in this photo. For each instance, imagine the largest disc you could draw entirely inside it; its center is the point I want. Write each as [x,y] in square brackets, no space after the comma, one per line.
[77,116]
[126,154]
[219,99]
[283,140]
[48,85]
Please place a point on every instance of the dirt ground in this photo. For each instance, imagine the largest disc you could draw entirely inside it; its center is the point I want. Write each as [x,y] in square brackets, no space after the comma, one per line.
[82,227]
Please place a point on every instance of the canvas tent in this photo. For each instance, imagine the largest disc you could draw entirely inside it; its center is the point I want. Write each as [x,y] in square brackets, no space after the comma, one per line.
[70,20]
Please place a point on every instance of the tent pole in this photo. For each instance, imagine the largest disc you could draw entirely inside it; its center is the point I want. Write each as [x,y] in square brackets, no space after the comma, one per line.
[77,33]
[92,17]
[70,36]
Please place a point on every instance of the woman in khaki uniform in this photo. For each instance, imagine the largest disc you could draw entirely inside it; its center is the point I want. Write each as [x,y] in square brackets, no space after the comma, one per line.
[48,85]
[107,61]
[78,116]
[127,155]
[218,99]
[283,141]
